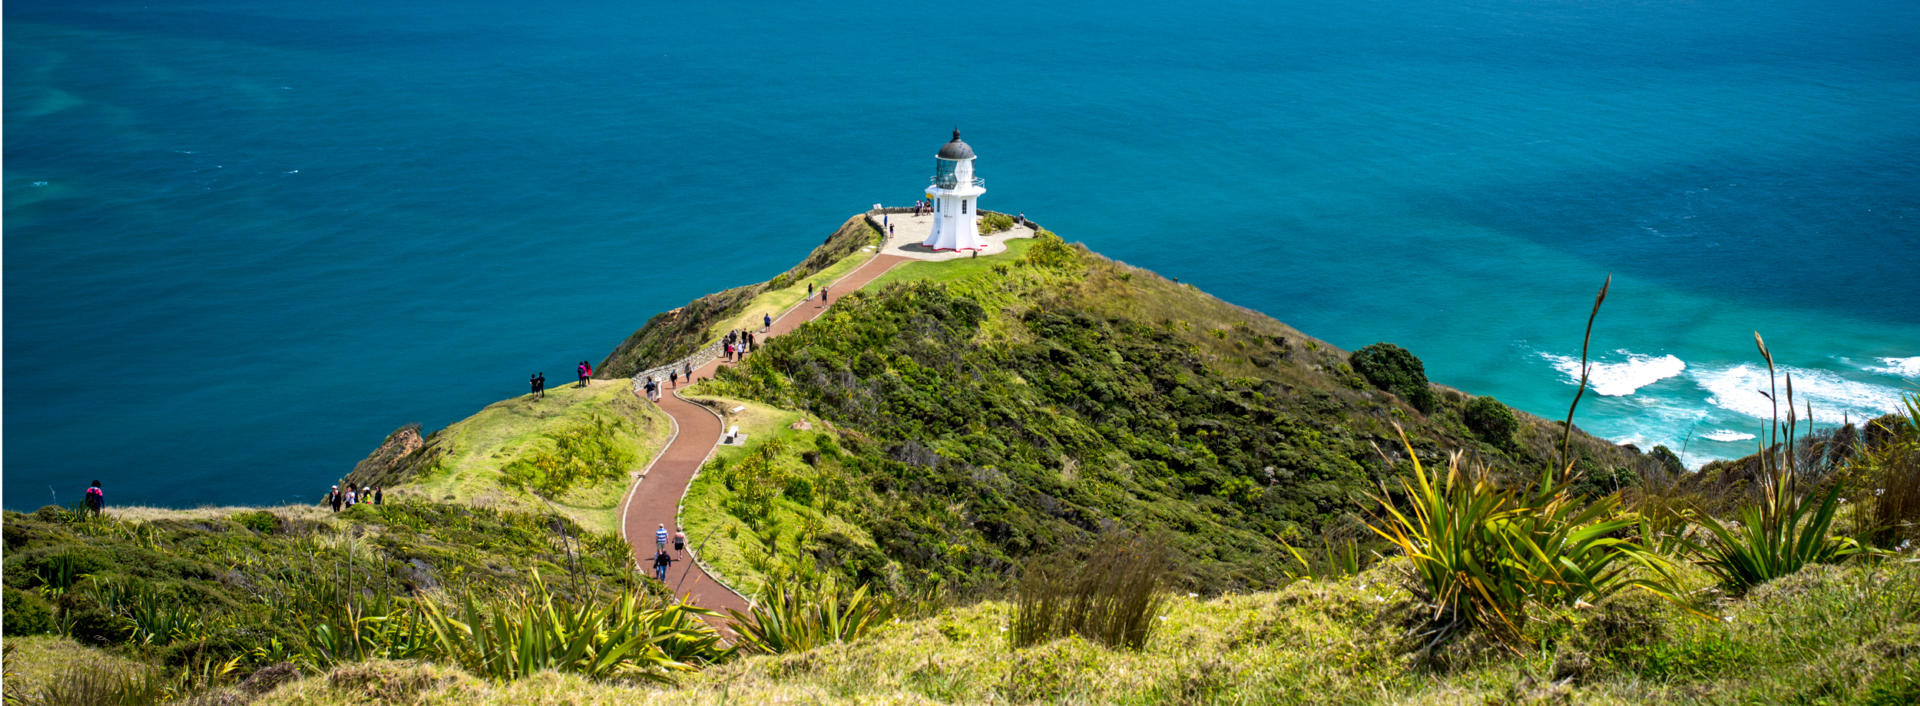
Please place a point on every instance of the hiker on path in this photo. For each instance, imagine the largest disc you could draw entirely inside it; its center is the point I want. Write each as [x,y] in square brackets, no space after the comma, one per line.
[768,318]
[96,499]
[540,385]
[689,374]
[379,496]
[809,290]
[353,494]
[889,229]
[661,561]
[680,542]
[334,498]
[673,378]
[660,538]
[823,296]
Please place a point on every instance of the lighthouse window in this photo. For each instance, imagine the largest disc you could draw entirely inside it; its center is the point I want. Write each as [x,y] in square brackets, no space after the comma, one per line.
[963,207]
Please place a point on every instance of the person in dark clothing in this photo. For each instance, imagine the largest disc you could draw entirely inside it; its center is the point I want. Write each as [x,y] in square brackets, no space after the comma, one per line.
[661,561]
[334,498]
[540,385]
[533,385]
[823,296]
[809,290]
[673,379]
[767,319]
[96,499]
[585,371]
[379,496]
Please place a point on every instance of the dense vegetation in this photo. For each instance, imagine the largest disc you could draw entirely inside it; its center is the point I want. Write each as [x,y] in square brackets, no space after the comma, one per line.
[211,597]
[1015,410]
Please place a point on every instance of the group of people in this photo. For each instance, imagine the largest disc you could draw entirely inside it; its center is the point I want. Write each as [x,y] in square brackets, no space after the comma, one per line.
[341,500]
[661,559]
[537,384]
[738,343]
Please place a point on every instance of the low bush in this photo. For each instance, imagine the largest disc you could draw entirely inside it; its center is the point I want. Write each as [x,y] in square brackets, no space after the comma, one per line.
[1490,420]
[27,613]
[1394,369]
[995,223]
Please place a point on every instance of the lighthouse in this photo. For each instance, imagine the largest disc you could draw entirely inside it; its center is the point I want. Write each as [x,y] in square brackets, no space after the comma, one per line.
[955,193]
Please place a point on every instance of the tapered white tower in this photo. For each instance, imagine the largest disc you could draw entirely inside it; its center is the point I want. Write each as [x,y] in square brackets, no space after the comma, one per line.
[955,193]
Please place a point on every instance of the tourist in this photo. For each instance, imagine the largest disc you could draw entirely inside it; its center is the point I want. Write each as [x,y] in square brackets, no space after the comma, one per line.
[809,290]
[660,538]
[661,561]
[680,541]
[889,231]
[823,296]
[533,385]
[767,319]
[689,375]
[584,370]
[96,499]
[379,496]
[334,498]
[352,495]
[673,378]
[540,385]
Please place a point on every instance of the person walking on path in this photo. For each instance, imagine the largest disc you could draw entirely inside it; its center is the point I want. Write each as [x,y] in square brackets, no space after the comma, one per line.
[689,375]
[540,385]
[660,538]
[767,319]
[673,378]
[661,561]
[823,296]
[889,230]
[96,499]
[680,542]
[334,498]
[809,290]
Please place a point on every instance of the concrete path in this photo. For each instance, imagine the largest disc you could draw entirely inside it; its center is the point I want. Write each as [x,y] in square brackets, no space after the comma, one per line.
[655,496]
[910,230]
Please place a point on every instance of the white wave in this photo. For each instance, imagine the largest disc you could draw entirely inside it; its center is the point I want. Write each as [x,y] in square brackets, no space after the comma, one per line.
[1742,389]
[1619,379]
[1908,368]
[1726,435]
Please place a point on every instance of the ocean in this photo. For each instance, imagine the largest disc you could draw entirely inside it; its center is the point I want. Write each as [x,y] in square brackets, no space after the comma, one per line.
[244,240]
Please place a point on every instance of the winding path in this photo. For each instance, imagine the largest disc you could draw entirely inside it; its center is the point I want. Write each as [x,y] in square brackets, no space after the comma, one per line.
[655,495]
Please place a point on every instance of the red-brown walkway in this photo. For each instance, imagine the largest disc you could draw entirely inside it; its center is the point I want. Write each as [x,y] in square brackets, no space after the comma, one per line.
[655,498]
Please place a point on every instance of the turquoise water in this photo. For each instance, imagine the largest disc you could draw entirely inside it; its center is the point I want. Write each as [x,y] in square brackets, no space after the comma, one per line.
[244,240]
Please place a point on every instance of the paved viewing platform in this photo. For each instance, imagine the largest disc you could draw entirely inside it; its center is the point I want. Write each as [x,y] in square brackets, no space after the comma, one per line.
[910,230]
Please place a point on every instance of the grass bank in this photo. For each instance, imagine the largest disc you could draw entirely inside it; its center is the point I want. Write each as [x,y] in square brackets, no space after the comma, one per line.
[576,448]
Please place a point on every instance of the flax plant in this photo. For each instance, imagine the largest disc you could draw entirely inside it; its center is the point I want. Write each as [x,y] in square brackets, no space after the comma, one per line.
[788,620]
[1778,535]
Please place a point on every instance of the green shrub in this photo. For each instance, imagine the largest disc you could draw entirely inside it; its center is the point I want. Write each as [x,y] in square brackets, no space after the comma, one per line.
[1111,593]
[583,452]
[27,613]
[1050,251]
[260,521]
[1394,369]
[995,223]
[1490,420]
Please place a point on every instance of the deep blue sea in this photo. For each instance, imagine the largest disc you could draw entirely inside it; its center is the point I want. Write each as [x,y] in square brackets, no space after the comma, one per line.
[243,240]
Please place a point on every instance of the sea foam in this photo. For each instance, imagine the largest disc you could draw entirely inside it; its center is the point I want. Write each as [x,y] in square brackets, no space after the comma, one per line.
[1742,389]
[1908,368]
[1622,378]
[1726,435]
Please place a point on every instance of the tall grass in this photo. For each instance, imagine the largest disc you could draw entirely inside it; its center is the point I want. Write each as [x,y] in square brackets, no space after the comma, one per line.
[1112,593]
[790,620]
[1783,532]
[1893,472]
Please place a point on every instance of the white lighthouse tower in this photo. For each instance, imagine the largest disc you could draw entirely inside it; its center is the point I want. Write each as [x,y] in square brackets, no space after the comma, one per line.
[955,193]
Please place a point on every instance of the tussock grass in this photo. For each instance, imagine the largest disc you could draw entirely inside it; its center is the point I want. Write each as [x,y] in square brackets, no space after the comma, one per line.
[1111,592]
